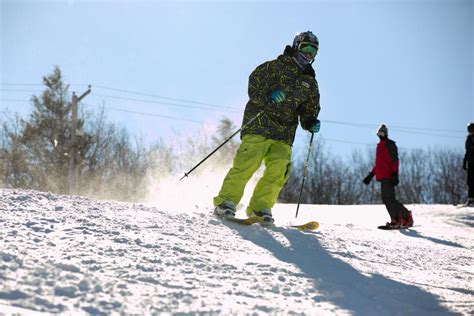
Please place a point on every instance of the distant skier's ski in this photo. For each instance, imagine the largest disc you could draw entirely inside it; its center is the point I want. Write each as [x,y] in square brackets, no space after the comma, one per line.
[385,227]
[309,226]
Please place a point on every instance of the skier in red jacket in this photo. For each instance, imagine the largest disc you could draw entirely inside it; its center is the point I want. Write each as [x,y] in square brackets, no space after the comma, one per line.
[386,172]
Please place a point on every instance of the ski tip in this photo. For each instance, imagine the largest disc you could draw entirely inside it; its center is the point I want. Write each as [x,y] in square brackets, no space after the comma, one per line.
[313,225]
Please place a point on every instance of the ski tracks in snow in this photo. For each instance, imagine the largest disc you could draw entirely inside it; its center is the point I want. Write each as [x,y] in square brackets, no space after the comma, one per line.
[74,255]
[63,254]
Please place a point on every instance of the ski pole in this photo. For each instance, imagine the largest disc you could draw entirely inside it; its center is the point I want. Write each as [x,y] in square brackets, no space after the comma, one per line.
[244,126]
[304,173]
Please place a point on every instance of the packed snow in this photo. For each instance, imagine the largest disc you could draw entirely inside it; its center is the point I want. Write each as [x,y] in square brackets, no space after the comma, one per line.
[74,255]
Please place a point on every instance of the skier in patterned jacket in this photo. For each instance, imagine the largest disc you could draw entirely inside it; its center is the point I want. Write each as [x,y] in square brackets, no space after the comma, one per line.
[281,92]
[386,171]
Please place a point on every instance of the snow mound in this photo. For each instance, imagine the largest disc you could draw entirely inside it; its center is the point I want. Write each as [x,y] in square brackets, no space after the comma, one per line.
[69,254]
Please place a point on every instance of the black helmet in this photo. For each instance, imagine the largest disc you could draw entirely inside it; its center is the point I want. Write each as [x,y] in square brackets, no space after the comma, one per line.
[306,46]
[470,128]
[305,37]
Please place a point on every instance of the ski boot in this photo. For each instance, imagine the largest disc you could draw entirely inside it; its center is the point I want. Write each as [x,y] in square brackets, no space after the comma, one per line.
[226,209]
[264,216]
[407,222]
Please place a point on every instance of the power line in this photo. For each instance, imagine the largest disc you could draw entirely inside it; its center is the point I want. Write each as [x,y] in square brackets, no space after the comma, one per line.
[210,107]
[164,97]
[37,84]
[425,133]
[401,130]
[145,114]
[392,126]
[120,110]
[160,103]
[20,90]
[300,136]
[428,129]
[134,92]
[20,84]
[199,122]
[346,141]
[14,100]
[361,125]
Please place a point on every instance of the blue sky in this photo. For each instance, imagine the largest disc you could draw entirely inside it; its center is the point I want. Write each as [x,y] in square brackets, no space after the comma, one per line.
[407,63]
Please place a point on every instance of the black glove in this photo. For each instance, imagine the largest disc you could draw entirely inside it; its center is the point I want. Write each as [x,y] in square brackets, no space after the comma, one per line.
[464,164]
[368,178]
[394,179]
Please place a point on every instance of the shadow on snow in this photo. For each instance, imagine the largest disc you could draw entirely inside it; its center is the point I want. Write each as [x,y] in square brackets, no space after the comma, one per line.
[414,233]
[466,219]
[341,284]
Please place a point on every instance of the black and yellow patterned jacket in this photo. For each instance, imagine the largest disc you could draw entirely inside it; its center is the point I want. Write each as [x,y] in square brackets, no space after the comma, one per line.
[279,121]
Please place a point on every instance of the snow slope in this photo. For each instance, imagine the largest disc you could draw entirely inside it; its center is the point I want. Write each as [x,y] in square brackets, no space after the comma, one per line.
[74,255]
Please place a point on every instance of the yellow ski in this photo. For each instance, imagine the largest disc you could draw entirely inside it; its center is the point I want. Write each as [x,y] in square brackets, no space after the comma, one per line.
[310,226]
[243,221]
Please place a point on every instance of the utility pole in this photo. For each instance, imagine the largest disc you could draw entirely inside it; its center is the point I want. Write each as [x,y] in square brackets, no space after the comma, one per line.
[73,172]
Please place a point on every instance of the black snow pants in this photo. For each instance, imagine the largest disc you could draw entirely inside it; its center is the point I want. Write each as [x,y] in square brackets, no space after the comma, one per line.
[394,208]
[470,181]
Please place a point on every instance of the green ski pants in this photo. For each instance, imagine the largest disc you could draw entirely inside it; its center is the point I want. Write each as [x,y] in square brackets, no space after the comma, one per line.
[252,151]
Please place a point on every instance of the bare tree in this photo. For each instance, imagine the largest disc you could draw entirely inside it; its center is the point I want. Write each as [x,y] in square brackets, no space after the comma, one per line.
[34,154]
[414,176]
[426,176]
[448,181]
[35,151]
[225,129]
[14,168]
[362,162]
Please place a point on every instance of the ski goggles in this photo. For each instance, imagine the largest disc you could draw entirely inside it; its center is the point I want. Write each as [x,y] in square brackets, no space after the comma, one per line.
[308,49]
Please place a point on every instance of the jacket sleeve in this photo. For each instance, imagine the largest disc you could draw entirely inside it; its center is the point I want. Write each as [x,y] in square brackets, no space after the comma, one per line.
[467,150]
[309,110]
[393,153]
[260,83]
[375,164]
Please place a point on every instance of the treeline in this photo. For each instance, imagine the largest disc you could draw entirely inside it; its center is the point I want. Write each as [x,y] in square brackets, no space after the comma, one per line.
[426,176]
[35,153]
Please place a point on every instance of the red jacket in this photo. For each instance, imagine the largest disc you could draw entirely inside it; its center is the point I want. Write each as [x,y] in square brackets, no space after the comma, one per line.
[386,160]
